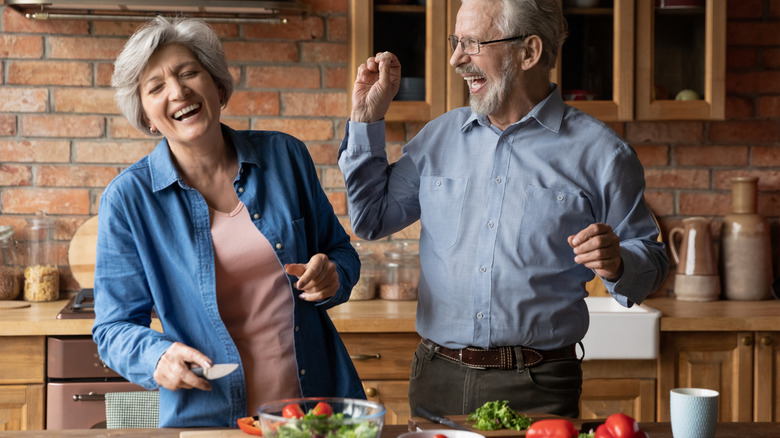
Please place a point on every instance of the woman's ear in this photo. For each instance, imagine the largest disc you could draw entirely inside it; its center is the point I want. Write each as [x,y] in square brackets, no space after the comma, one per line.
[532,52]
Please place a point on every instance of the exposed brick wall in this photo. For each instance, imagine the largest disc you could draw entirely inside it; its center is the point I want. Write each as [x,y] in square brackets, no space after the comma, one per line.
[62,138]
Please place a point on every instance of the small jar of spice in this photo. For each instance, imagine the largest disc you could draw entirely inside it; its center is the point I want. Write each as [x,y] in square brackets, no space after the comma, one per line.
[365,289]
[10,270]
[41,275]
[402,273]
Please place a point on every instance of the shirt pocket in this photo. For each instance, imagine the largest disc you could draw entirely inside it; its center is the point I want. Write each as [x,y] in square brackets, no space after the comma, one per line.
[441,205]
[549,217]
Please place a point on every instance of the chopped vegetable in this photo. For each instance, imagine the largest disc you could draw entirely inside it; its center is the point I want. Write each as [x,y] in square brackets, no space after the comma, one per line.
[619,426]
[293,410]
[324,425]
[440,435]
[249,425]
[552,428]
[495,415]
[322,408]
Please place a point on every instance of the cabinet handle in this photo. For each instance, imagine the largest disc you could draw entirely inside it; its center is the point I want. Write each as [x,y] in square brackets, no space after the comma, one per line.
[364,356]
[371,392]
[766,340]
[747,341]
[89,397]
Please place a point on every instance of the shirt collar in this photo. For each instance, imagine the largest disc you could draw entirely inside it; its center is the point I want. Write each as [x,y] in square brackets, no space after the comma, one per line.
[164,173]
[548,112]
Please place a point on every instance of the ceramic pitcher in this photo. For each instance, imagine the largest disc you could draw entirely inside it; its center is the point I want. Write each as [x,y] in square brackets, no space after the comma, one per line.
[694,253]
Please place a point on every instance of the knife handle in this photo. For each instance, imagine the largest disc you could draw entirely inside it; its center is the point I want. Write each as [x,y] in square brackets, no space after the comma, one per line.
[428,415]
[198,371]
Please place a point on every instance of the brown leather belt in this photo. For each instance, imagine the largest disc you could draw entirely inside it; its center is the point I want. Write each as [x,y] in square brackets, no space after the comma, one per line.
[501,357]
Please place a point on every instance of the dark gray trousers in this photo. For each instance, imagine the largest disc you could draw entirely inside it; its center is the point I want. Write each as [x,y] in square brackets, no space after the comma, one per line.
[446,387]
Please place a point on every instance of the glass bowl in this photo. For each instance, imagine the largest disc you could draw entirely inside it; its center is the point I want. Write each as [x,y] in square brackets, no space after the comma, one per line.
[350,418]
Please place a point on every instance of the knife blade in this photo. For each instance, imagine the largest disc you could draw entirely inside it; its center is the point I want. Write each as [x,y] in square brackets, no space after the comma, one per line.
[216,371]
[440,419]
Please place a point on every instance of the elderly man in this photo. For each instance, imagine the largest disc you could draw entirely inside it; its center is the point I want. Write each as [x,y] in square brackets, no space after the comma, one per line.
[521,199]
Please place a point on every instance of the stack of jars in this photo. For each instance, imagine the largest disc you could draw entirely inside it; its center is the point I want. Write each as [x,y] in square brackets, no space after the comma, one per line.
[402,273]
[11,276]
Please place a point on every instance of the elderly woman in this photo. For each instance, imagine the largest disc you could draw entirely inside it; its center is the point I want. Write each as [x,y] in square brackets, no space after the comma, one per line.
[226,235]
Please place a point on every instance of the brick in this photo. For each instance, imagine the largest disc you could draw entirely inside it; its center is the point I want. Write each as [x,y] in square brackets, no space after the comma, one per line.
[15,175]
[115,28]
[410,232]
[653,154]
[296,28]
[338,200]
[314,104]
[54,201]
[318,52]
[235,72]
[668,132]
[239,124]
[660,203]
[31,151]
[745,9]
[677,178]
[739,107]
[75,176]
[282,77]
[265,52]
[324,153]
[710,156]
[62,126]
[768,180]
[328,6]
[336,77]
[121,152]
[303,129]
[252,103]
[19,46]
[344,221]
[23,100]
[49,73]
[85,48]
[704,204]
[753,82]
[332,178]
[765,156]
[744,131]
[85,100]
[14,22]
[104,72]
[337,29]
[752,33]
[769,106]
[119,127]
[7,125]
[741,58]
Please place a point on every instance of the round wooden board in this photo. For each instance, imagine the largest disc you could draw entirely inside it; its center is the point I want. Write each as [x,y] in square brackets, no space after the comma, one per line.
[81,253]
[13,304]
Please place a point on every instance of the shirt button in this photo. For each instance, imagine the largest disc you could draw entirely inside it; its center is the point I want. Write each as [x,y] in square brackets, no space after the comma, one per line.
[240,190]
[480,315]
[483,269]
[490,224]
[498,180]
[278,246]
[256,215]
[303,371]
[297,328]
[438,183]
[560,197]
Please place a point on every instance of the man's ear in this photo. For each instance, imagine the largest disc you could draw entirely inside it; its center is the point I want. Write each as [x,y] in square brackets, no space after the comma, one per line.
[532,52]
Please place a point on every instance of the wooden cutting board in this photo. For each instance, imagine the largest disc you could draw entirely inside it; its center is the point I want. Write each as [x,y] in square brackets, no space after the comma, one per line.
[232,433]
[81,253]
[418,422]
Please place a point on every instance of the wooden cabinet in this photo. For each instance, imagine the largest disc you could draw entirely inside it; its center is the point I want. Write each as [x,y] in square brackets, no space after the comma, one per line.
[383,362]
[743,366]
[22,382]
[626,386]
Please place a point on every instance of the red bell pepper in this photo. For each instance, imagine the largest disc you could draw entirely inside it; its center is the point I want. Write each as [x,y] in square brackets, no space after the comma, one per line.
[619,426]
[553,428]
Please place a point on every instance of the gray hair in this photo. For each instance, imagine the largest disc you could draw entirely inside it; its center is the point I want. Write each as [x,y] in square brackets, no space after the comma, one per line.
[543,18]
[194,34]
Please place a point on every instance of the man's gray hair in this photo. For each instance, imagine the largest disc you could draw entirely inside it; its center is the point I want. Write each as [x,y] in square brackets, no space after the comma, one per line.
[129,67]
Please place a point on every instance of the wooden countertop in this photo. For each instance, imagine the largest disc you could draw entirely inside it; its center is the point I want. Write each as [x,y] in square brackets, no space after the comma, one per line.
[381,316]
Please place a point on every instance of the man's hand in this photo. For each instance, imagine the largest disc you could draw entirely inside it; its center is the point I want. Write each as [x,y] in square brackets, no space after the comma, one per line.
[376,84]
[173,368]
[318,279]
[597,247]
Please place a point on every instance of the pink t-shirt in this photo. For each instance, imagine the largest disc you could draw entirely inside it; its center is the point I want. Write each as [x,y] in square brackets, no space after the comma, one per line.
[256,305]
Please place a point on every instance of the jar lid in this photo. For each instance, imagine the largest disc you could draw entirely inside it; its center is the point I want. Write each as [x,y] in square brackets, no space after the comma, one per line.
[6,231]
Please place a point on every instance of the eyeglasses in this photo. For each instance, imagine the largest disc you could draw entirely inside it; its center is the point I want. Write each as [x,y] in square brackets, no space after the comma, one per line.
[471,45]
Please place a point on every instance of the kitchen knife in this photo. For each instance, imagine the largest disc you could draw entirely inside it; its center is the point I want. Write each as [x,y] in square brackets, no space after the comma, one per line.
[216,371]
[430,416]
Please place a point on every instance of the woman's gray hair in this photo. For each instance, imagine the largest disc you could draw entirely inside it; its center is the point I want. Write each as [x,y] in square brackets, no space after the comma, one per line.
[543,18]
[129,67]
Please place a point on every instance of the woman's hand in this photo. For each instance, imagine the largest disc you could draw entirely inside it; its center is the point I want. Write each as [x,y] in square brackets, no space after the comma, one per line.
[376,84]
[318,279]
[173,368]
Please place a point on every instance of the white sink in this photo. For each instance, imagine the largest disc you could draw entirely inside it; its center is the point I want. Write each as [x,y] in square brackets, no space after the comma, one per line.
[617,332]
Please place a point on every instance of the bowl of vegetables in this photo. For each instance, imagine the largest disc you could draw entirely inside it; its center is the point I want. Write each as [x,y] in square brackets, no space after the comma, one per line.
[321,417]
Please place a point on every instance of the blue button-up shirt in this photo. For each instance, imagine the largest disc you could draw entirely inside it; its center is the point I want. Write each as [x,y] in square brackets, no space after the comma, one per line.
[154,249]
[495,209]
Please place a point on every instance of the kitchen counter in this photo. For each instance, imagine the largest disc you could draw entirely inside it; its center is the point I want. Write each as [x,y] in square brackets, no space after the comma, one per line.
[721,315]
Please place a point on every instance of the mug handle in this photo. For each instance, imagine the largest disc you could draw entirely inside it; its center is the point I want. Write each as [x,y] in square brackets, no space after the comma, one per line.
[672,243]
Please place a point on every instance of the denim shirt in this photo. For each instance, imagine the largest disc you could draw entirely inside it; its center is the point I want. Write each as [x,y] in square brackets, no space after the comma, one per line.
[495,209]
[154,250]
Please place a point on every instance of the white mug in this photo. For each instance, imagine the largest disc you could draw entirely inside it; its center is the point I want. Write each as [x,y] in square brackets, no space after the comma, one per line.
[694,412]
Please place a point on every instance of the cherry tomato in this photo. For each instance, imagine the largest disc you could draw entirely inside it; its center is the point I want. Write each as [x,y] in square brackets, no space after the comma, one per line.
[322,408]
[293,410]
[440,435]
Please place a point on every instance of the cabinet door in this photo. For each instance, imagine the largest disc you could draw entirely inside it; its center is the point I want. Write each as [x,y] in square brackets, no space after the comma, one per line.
[722,361]
[417,33]
[394,395]
[382,356]
[21,407]
[596,63]
[680,49]
[766,406]
[24,359]
[602,397]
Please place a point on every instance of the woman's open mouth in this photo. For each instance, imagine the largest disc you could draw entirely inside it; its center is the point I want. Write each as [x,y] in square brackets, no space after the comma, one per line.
[187,112]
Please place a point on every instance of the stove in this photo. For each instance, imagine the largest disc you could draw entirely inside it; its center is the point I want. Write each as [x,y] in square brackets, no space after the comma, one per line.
[80,306]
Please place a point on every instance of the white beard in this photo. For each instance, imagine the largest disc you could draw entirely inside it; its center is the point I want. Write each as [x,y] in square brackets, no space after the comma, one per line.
[496,91]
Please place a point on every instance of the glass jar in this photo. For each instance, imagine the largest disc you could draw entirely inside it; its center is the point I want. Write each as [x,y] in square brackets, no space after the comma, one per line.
[365,289]
[402,273]
[10,270]
[41,275]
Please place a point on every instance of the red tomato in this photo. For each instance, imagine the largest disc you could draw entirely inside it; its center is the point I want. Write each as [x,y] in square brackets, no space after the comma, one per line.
[247,425]
[552,428]
[293,410]
[620,426]
[322,408]
[440,435]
